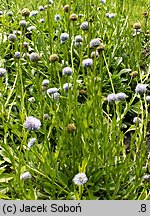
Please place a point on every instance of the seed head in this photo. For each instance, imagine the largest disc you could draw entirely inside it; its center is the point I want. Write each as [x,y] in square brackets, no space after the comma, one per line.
[145,14]
[80,179]
[137,26]
[100,48]
[2,72]
[66,8]
[32,123]
[71,128]
[133,74]
[25,12]
[53,58]
[73,17]
[34,57]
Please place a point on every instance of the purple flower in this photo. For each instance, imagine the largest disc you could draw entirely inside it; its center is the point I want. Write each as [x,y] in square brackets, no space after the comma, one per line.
[141,88]
[52,90]
[32,123]
[67,71]
[25,176]
[31,142]
[87,62]
[80,179]
[112,97]
[84,26]
[121,96]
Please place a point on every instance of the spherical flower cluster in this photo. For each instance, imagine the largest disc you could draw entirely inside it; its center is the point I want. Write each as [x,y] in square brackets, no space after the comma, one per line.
[57,17]
[78,38]
[31,99]
[71,128]
[67,71]
[80,179]
[31,142]
[116,97]
[2,72]
[23,23]
[52,90]
[10,13]
[84,26]
[87,62]
[95,43]
[66,8]
[25,176]
[31,28]
[45,82]
[137,120]
[64,37]
[17,55]
[55,96]
[148,98]
[103,1]
[110,15]
[137,26]
[12,37]
[53,58]
[141,88]
[25,44]
[67,86]
[42,20]
[41,8]
[33,13]
[34,57]
[32,123]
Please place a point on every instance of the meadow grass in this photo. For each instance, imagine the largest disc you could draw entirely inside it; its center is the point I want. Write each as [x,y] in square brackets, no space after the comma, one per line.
[83,129]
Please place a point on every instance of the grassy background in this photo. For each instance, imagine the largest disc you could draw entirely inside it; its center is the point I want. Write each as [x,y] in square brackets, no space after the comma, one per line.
[114,169]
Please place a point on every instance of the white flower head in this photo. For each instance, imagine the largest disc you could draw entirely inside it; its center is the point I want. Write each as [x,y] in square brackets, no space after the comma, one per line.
[31,142]
[84,26]
[67,86]
[121,96]
[112,97]
[78,38]
[55,96]
[80,179]
[2,72]
[57,17]
[67,71]
[31,28]
[137,120]
[25,176]
[110,15]
[103,1]
[148,98]
[45,82]
[95,43]
[141,88]
[32,123]
[52,90]
[87,62]
[64,37]
[33,13]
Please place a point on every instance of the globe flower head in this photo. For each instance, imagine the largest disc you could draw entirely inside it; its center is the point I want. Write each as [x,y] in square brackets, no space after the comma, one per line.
[57,17]
[31,142]
[2,72]
[67,86]
[31,28]
[55,96]
[66,8]
[137,120]
[147,98]
[87,62]
[141,88]
[52,90]
[12,37]
[41,8]
[25,176]
[67,71]
[84,26]
[10,13]
[78,38]
[42,20]
[94,54]
[23,23]
[121,96]
[33,13]
[64,37]
[45,82]
[17,55]
[112,97]
[32,123]
[110,15]
[103,1]
[95,43]
[137,26]
[80,179]
[71,128]
[34,57]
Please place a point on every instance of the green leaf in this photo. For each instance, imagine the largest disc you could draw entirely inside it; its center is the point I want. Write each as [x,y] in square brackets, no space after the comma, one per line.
[62,178]
[124,71]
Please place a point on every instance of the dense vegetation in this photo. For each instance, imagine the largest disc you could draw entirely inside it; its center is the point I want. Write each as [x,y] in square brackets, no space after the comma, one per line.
[74,99]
